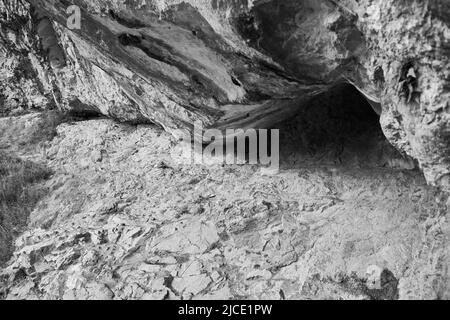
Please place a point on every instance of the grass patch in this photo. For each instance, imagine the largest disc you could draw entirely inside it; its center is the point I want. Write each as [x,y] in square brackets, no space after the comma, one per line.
[19,193]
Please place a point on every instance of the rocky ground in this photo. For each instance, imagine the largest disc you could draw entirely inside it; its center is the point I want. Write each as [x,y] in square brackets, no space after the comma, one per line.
[358,210]
[124,218]
[234,64]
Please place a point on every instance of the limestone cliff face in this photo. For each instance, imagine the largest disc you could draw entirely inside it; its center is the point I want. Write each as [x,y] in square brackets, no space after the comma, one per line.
[236,63]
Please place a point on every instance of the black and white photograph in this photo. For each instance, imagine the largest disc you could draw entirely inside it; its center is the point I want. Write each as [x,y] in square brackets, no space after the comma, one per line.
[247,153]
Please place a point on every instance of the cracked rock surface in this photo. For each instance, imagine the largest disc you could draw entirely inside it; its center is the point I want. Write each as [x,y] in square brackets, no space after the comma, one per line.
[235,63]
[348,216]
[124,219]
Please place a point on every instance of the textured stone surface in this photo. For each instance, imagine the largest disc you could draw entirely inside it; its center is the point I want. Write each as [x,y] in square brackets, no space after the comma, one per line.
[125,220]
[235,63]
[347,217]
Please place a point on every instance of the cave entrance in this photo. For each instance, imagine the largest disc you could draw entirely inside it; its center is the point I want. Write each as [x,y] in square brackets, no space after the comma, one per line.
[338,128]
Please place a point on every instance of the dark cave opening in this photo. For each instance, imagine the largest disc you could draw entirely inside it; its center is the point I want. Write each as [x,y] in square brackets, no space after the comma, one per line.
[338,128]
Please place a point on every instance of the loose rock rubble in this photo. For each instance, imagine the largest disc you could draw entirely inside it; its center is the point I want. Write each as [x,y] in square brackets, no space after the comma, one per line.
[236,64]
[117,224]
[125,216]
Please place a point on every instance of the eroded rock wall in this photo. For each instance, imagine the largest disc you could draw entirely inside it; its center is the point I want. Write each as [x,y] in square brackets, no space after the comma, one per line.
[124,218]
[236,63]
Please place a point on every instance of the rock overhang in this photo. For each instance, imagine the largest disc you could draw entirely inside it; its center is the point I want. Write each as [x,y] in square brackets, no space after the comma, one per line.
[254,63]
